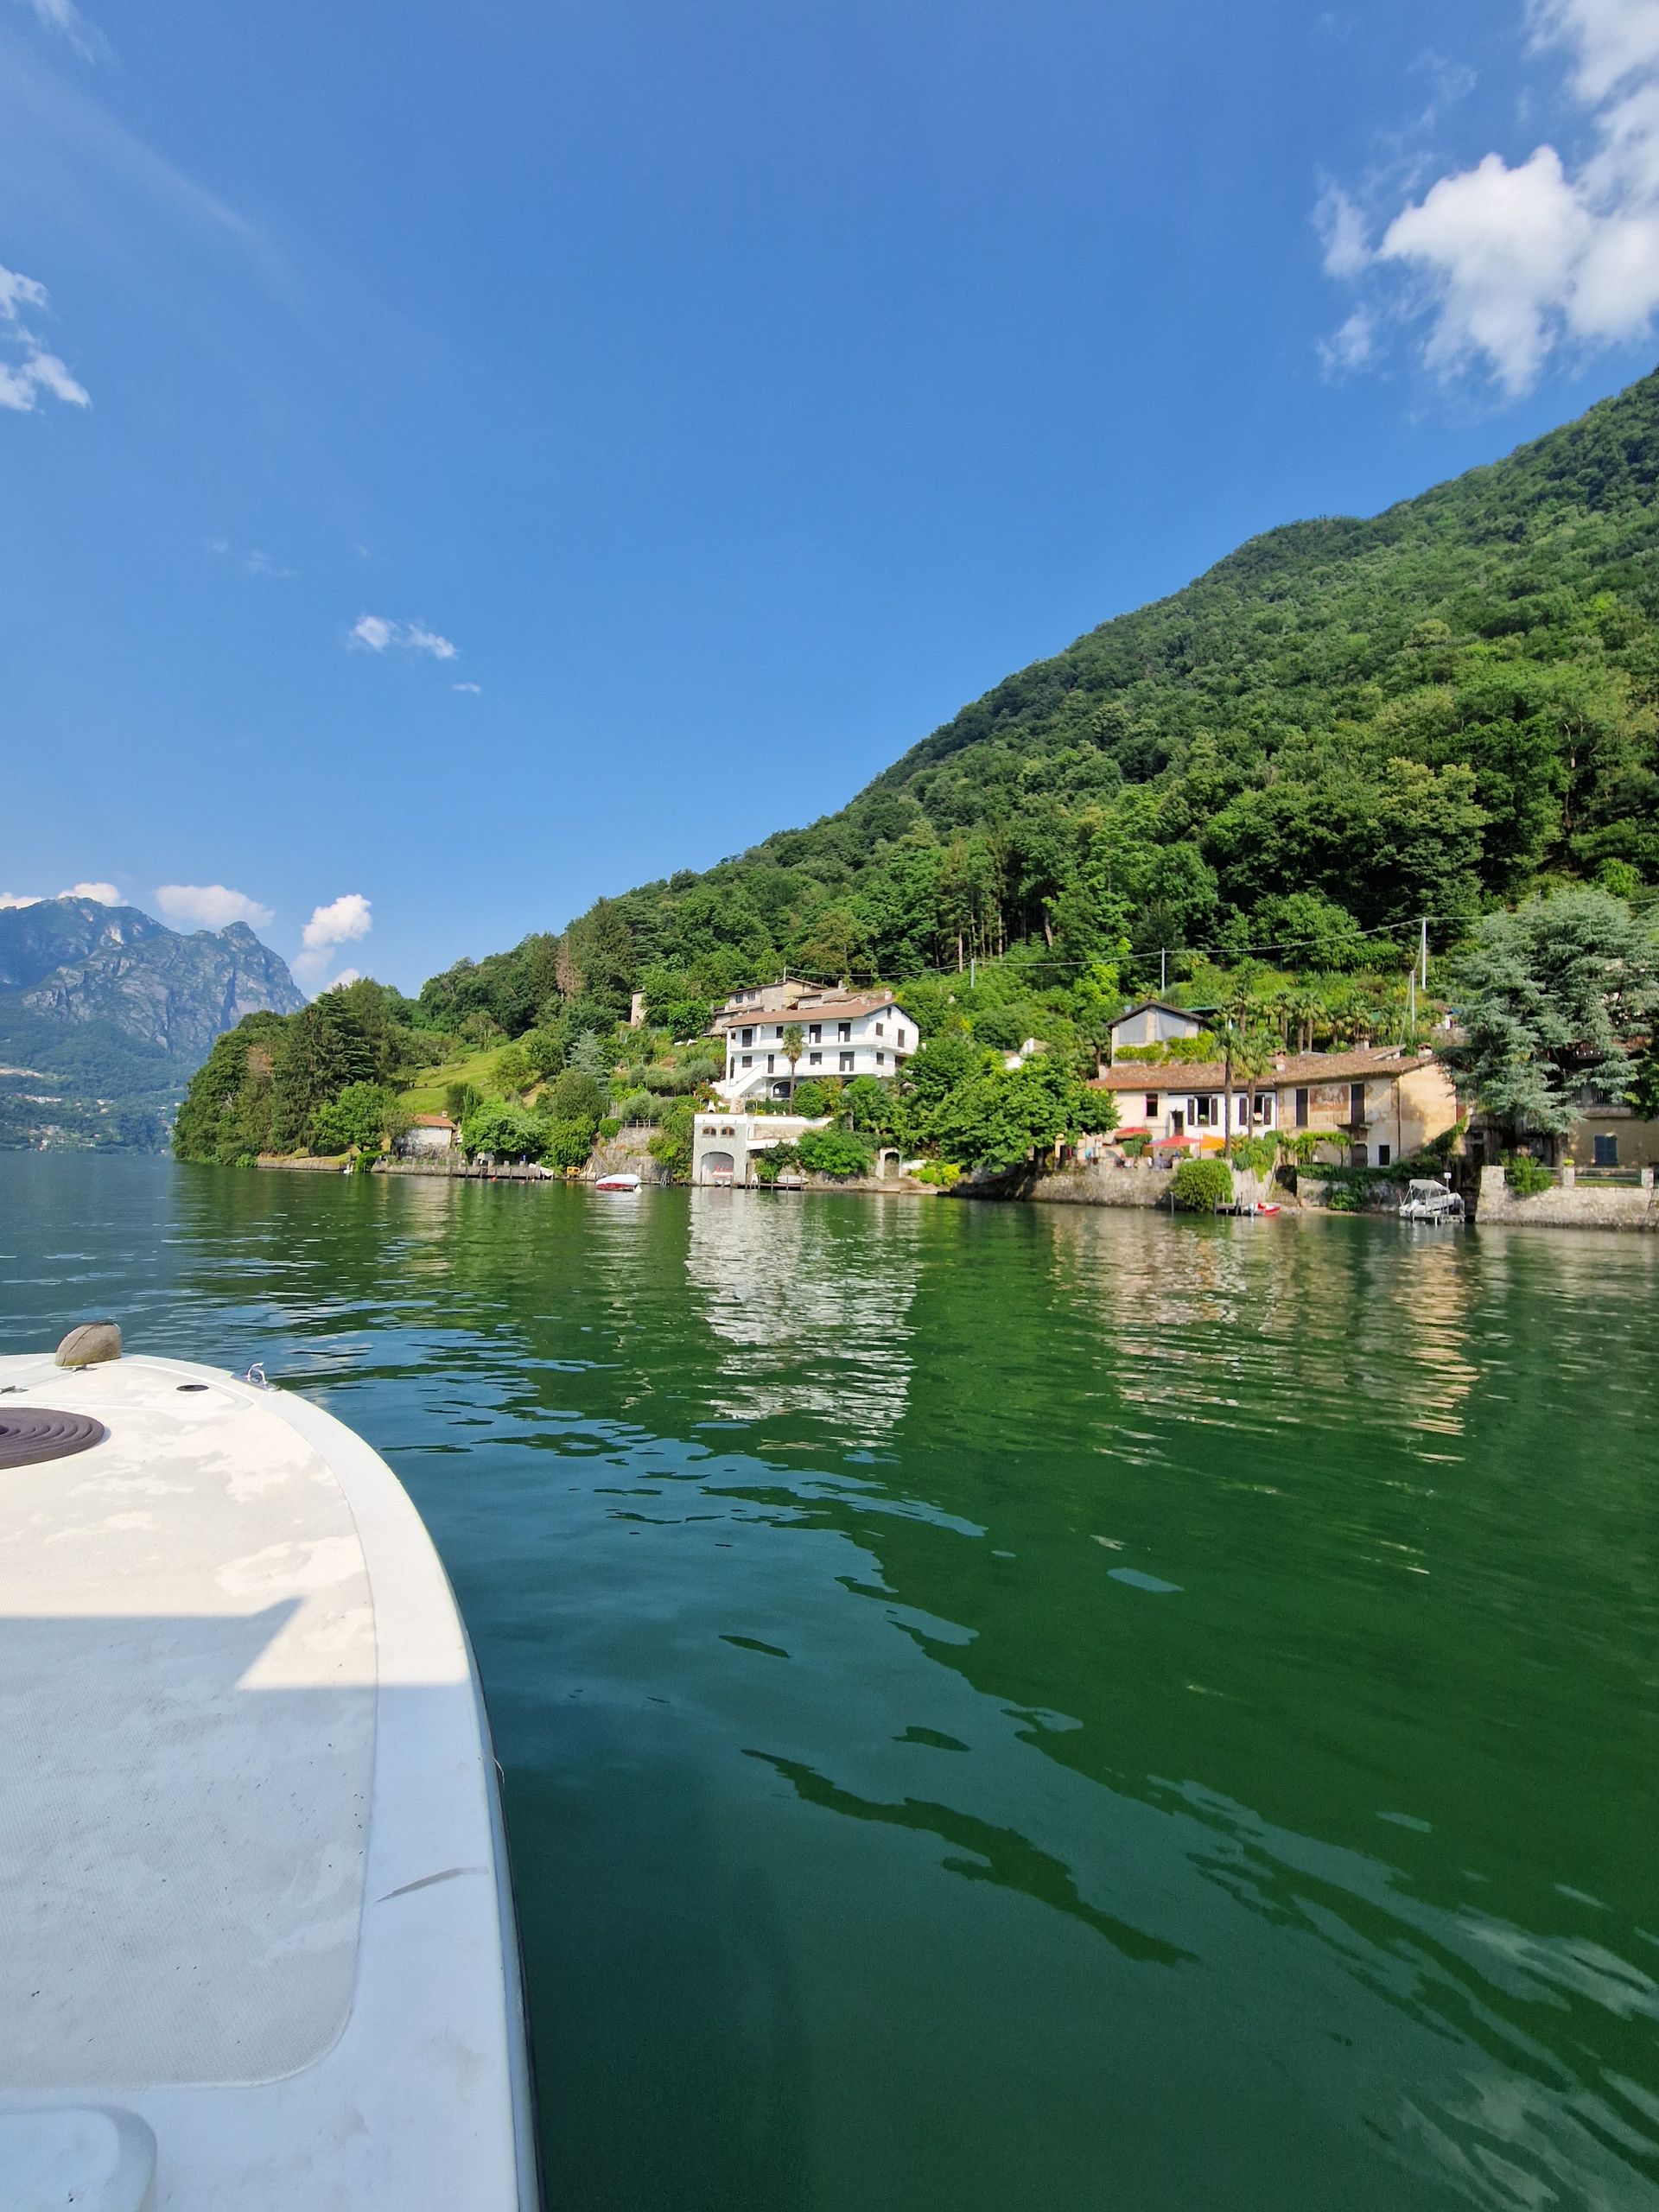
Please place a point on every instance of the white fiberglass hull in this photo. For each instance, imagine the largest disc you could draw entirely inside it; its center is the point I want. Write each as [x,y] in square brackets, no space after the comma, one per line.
[255,1924]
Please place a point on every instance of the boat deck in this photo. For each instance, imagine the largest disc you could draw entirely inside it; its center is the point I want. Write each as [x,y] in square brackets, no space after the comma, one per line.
[252,1889]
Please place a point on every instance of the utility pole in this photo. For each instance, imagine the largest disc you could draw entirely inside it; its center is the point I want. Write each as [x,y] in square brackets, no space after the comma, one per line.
[1163,970]
[1423,927]
[973,970]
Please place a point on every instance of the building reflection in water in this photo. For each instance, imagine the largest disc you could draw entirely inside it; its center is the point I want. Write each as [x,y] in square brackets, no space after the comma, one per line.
[1217,1322]
[811,1303]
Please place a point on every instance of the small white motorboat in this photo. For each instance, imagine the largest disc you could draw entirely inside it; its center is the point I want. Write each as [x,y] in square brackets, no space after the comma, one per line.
[1429,1200]
[257,1938]
[616,1183]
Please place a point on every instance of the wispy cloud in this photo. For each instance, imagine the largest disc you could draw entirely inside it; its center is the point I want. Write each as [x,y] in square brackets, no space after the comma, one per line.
[252,560]
[63,152]
[342,921]
[473,687]
[377,631]
[211,905]
[32,369]
[64,17]
[1505,266]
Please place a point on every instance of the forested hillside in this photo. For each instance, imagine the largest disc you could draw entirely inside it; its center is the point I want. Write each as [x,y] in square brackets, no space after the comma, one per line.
[1254,793]
[1344,725]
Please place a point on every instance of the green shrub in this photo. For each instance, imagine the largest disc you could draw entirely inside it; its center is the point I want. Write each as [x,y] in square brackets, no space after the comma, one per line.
[943,1172]
[609,1128]
[1201,1186]
[671,1145]
[840,1153]
[1259,1155]
[817,1095]
[569,1143]
[1525,1176]
[512,1069]
[575,1097]
[768,1166]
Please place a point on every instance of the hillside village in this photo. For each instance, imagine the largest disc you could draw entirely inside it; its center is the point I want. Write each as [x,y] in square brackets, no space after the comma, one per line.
[952,1083]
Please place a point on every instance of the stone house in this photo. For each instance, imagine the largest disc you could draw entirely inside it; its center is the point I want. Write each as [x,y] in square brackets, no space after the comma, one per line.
[428,1136]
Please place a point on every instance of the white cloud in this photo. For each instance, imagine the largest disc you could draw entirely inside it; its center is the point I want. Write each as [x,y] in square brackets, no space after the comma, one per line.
[345,975]
[106,893]
[1510,264]
[34,371]
[377,632]
[342,921]
[466,687]
[1342,228]
[210,906]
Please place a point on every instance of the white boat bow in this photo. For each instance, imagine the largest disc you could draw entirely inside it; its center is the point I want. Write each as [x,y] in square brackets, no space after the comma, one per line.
[256,1939]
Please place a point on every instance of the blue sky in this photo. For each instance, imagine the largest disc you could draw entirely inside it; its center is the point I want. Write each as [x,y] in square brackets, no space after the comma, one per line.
[701,402]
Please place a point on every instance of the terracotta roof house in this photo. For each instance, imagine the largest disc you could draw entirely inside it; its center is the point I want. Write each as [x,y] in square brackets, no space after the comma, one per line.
[846,1033]
[1371,1105]
[428,1135]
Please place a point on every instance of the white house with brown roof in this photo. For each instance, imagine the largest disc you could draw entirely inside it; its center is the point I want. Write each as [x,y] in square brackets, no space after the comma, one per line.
[428,1136]
[845,1033]
[1371,1105]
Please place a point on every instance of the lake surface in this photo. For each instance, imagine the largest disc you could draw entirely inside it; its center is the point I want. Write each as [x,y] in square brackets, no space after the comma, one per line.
[1005,1706]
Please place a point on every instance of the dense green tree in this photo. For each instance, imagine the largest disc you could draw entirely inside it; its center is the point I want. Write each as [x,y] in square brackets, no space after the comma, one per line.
[322,1048]
[504,1132]
[575,1097]
[1556,998]
[840,1153]
[363,1114]
[226,1115]
[999,1117]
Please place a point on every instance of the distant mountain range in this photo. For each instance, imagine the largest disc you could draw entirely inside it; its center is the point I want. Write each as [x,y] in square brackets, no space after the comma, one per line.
[105,1015]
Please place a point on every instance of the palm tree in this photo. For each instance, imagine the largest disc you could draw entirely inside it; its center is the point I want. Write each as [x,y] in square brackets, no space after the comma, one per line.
[1253,1056]
[794,1045]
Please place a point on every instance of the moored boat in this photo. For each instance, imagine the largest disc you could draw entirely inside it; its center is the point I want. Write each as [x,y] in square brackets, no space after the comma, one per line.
[257,1939]
[616,1183]
[1427,1200]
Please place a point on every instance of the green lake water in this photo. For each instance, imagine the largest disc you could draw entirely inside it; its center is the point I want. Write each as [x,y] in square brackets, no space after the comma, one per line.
[1004,1705]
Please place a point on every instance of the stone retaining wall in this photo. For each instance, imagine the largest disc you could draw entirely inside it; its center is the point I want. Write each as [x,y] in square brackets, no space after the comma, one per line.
[1578,1205]
[628,1152]
[1107,1183]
